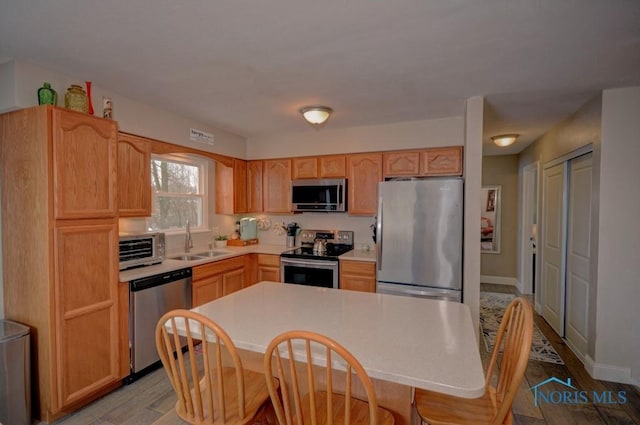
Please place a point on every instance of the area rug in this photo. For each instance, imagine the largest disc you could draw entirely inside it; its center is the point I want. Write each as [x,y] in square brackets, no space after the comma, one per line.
[492,307]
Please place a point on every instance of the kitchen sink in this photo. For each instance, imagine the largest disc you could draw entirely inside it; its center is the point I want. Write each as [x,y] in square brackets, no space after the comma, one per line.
[187,257]
[208,254]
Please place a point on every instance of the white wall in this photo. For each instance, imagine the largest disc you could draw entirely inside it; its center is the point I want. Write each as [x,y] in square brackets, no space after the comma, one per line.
[404,135]
[502,268]
[7,86]
[617,347]
[132,116]
[474,117]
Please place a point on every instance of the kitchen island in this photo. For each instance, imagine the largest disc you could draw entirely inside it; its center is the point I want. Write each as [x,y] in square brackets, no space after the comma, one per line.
[402,342]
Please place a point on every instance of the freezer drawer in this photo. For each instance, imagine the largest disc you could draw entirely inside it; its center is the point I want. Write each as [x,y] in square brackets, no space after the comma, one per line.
[418,291]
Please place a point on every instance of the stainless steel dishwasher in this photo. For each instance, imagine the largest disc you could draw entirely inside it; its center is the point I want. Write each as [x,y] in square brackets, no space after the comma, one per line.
[149,298]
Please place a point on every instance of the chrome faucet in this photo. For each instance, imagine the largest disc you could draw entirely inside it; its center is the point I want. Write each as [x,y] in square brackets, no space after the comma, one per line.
[188,243]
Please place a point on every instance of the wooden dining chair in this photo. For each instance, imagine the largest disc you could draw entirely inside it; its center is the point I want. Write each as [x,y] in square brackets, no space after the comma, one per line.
[494,407]
[309,386]
[212,389]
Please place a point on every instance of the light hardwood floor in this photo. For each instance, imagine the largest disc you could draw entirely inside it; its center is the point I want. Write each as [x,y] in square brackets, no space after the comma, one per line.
[150,400]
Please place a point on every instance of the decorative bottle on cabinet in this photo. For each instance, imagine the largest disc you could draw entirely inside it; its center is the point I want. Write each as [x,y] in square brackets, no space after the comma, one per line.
[88,83]
[47,95]
[76,99]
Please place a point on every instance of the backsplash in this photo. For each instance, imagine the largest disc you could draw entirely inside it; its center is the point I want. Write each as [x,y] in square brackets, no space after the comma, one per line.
[317,221]
[225,224]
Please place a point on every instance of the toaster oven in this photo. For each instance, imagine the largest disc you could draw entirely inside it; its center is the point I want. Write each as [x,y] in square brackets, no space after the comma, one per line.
[141,249]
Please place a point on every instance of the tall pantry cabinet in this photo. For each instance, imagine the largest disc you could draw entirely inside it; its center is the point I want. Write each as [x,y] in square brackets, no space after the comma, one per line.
[59,244]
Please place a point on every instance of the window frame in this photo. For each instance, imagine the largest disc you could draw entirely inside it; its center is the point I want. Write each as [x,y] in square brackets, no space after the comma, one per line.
[203,177]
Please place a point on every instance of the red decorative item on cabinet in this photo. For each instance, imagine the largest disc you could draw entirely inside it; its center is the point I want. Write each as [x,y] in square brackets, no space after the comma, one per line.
[88,83]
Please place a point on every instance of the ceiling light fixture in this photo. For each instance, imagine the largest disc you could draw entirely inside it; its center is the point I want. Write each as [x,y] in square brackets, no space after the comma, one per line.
[504,140]
[317,116]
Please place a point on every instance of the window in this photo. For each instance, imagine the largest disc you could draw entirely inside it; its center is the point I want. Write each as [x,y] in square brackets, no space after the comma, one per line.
[178,186]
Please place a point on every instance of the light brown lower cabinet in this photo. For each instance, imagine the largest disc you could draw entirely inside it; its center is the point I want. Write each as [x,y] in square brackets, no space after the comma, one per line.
[268,267]
[358,275]
[86,309]
[214,280]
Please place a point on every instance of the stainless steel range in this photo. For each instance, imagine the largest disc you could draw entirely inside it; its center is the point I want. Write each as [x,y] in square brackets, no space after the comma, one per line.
[315,262]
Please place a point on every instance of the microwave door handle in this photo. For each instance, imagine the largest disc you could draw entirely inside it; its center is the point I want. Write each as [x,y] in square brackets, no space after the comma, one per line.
[340,197]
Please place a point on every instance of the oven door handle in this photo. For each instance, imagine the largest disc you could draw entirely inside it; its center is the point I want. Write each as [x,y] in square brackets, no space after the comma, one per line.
[311,263]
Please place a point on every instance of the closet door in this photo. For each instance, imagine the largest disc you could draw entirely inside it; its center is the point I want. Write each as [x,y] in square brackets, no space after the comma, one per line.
[552,273]
[578,253]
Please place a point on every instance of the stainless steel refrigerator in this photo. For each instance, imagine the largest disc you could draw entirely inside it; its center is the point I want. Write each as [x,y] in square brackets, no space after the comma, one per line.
[419,238]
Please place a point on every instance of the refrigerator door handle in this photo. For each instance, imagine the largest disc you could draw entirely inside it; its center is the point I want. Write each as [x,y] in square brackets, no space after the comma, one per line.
[379,233]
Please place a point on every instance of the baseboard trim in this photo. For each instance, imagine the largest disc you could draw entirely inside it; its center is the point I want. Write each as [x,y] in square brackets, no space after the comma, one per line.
[499,280]
[605,372]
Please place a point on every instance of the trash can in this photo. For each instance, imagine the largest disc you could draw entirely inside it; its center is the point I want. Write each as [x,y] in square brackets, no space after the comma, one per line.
[15,374]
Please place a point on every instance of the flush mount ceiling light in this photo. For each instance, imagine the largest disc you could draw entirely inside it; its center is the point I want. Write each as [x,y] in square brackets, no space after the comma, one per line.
[316,115]
[504,140]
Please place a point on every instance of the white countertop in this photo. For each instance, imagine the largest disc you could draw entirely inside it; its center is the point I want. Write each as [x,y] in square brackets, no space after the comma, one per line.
[360,255]
[170,265]
[417,342]
[230,251]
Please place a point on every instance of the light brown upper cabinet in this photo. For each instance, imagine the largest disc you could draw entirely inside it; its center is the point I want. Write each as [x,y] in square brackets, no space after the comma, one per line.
[254,186]
[333,166]
[134,176]
[305,168]
[364,174]
[84,165]
[401,163]
[277,185]
[325,166]
[441,161]
[231,187]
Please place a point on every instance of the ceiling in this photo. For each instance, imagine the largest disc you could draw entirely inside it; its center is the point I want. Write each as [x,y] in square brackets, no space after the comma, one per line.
[247,66]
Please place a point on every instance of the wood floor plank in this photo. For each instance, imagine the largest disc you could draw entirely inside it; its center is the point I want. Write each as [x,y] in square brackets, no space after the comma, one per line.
[632,394]
[524,402]
[170,418]
[526,420]
[615,416]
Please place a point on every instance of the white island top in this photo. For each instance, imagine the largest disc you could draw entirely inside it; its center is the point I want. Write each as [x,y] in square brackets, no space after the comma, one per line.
[415,342]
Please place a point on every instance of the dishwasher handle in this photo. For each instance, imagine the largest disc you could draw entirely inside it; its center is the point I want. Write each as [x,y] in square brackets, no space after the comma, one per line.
[159,279]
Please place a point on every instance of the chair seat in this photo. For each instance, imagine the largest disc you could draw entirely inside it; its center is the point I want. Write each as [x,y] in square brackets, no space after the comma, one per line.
[256,394]
[359,410]
[441,409]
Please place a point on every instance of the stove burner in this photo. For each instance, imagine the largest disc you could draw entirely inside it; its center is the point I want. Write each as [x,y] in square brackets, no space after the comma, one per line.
[338,242]
[332,253]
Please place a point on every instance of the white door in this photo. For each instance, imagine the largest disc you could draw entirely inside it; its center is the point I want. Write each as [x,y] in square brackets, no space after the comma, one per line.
[552,270]
[578,254]
[529,220]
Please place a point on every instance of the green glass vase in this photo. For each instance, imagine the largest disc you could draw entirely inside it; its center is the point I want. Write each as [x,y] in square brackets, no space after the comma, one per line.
[47,95]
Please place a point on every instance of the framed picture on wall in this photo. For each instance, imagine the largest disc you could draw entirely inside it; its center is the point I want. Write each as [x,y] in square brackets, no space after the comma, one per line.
[490,220]
[491,200]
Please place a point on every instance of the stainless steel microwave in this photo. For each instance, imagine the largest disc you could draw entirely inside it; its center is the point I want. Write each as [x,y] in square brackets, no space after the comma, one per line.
[141,249]
[321,195]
